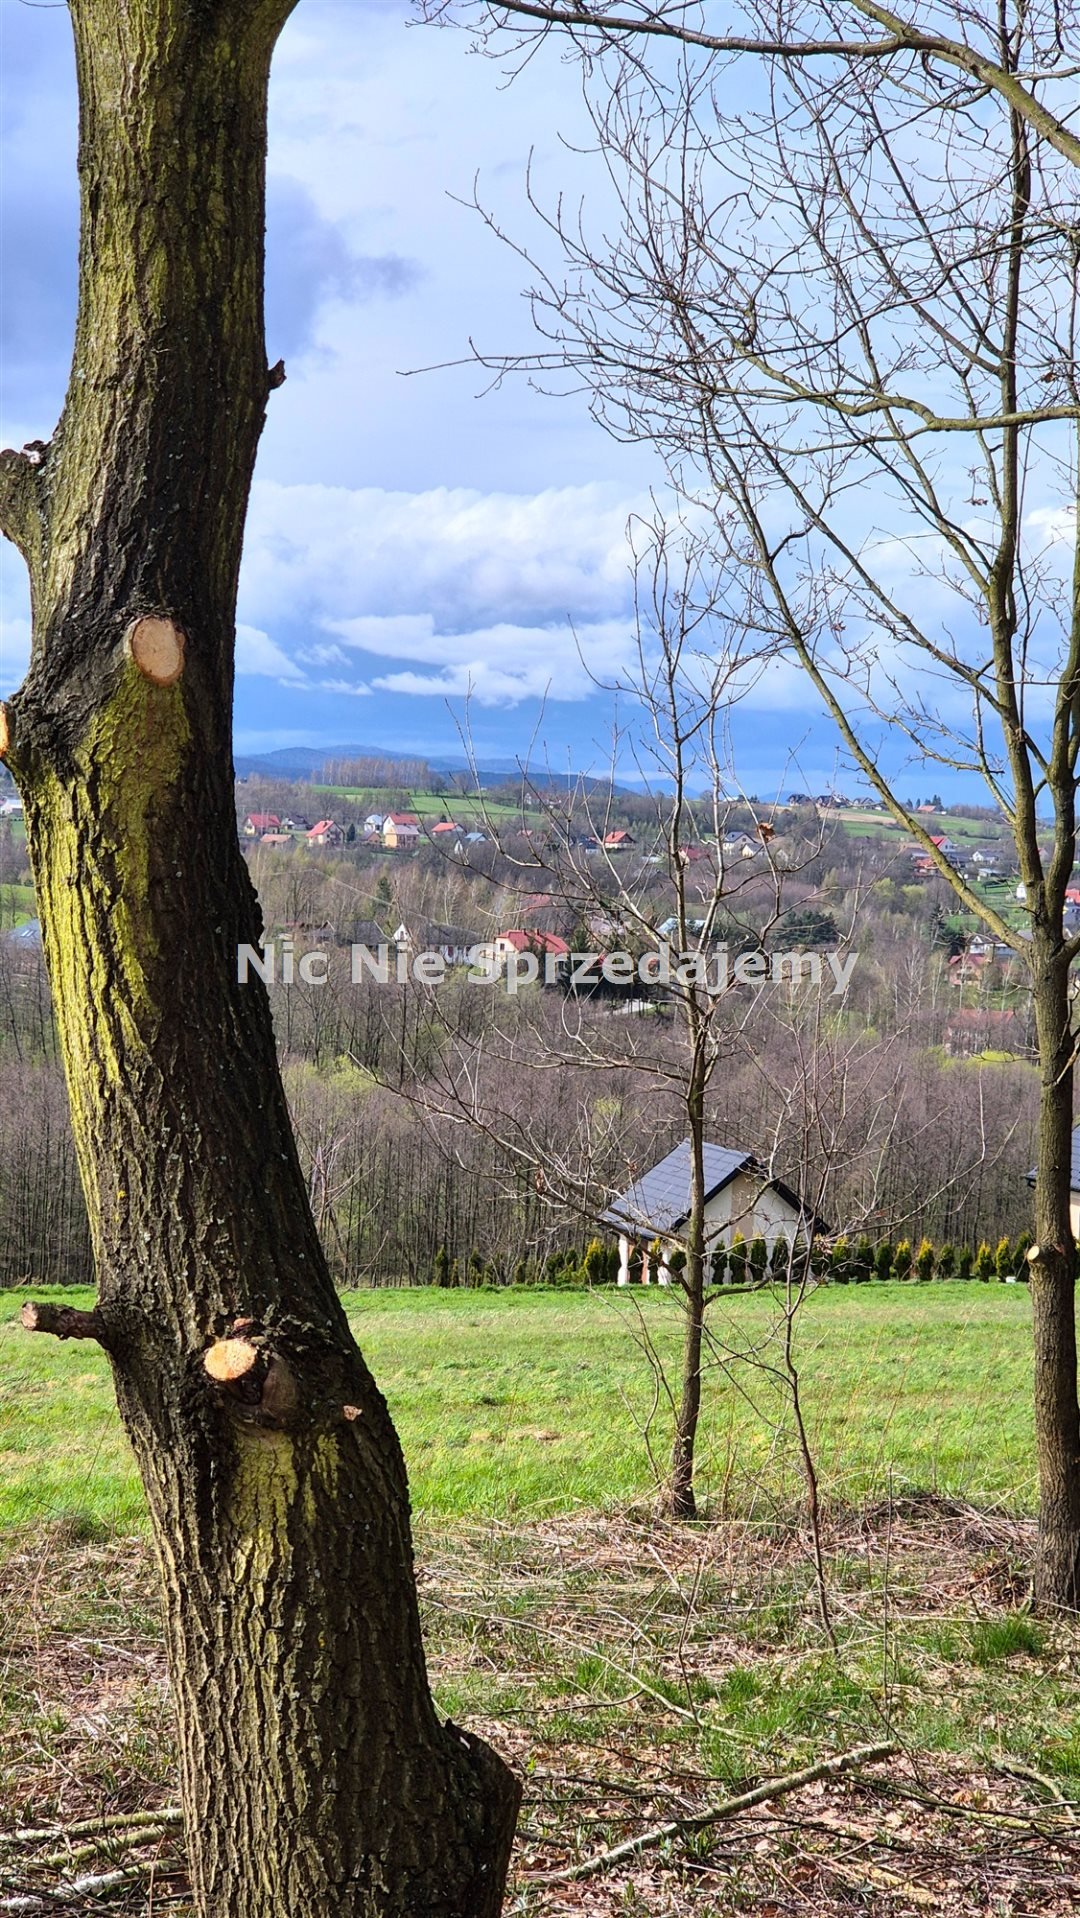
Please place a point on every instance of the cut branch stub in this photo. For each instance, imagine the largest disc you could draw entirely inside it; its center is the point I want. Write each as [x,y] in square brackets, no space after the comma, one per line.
[156,645]
[231,1359]
[63,1321]
[5,732]
[252,1377]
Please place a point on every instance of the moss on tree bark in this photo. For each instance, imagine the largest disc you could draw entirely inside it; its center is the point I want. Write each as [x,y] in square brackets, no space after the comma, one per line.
[317,1776]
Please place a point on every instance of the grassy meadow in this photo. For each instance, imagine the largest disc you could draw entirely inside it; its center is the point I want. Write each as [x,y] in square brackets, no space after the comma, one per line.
[634,1670]
[17,903]
[540,1402]
[466,808]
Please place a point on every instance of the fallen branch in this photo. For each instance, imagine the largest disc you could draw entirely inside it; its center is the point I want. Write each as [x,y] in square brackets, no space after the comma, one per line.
[700,1821]
[74,1892]
[85,1827]
[111,1844]
[1015,1768]
[63,1321]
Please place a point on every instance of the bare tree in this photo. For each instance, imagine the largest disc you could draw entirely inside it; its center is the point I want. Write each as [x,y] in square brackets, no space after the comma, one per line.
[846,314]
[676,897]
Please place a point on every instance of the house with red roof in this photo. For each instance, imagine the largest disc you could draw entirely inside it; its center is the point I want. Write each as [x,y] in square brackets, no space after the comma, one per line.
[400,831]
[548,947]
[325,832]
[257,823]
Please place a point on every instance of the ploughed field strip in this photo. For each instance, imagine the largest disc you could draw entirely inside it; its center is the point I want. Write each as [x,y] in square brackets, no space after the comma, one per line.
[646,1678]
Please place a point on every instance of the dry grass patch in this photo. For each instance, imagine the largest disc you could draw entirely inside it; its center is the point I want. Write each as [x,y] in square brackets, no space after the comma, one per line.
[640,1674]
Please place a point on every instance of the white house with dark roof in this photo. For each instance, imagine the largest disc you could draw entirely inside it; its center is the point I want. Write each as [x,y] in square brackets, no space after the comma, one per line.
[740,1196]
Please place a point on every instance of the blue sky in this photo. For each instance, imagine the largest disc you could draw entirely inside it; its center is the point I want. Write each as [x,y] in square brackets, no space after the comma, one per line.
[422,556]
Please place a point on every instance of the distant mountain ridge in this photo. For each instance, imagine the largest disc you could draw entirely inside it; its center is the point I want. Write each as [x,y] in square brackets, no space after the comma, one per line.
[306,762]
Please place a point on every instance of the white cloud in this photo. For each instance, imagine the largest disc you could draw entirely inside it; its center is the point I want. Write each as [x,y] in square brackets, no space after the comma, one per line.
[500,664]
[508,596]
[257,653]
[332,553]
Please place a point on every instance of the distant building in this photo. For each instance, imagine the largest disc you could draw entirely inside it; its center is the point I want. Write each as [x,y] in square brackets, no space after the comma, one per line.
[325,832]
[495,953]
[739,1197]
[456,945]
[257,823]
[982,1029]
[25,938]
[400,831]
[739,845]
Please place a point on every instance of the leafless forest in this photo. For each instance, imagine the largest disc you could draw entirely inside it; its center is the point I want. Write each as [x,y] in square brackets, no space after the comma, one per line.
[472,1130]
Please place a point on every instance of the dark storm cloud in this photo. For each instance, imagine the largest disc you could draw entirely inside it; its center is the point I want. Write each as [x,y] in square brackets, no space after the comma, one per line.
[308,260]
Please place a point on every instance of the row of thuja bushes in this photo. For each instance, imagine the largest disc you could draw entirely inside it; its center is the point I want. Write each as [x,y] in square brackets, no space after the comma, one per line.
[597,1264]
[840,1261]
[859,1261]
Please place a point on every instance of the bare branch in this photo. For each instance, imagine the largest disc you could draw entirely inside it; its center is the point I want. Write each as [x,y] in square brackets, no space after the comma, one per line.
[64,1322]
[901,37]
[769,1789]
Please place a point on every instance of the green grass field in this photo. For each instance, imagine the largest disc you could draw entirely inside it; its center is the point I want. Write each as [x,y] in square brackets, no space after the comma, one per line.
[17,903]
[512,1403]
[635,1669]
[955,825]
[465,809]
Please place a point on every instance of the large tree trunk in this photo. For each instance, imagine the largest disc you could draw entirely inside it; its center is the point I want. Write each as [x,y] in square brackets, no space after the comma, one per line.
[317,1777]
[1053,1291]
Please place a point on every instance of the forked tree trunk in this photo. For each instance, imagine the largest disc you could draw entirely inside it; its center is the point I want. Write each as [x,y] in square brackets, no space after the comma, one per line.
[317,1777]
[1053,1292]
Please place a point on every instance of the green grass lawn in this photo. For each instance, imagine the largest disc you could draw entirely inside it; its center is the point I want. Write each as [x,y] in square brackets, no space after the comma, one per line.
[636,1669]
[954,825]
[512,1403]
[465,809]
[17,903]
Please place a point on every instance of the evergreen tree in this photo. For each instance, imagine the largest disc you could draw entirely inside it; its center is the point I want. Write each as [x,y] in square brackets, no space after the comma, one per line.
[883,1261]
[780,1257]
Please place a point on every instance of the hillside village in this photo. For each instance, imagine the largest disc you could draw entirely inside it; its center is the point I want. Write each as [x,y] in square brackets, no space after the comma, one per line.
[934,1009]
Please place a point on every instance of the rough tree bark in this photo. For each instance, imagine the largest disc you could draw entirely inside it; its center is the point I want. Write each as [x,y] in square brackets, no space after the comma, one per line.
[317,1777]
[1052,1265]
